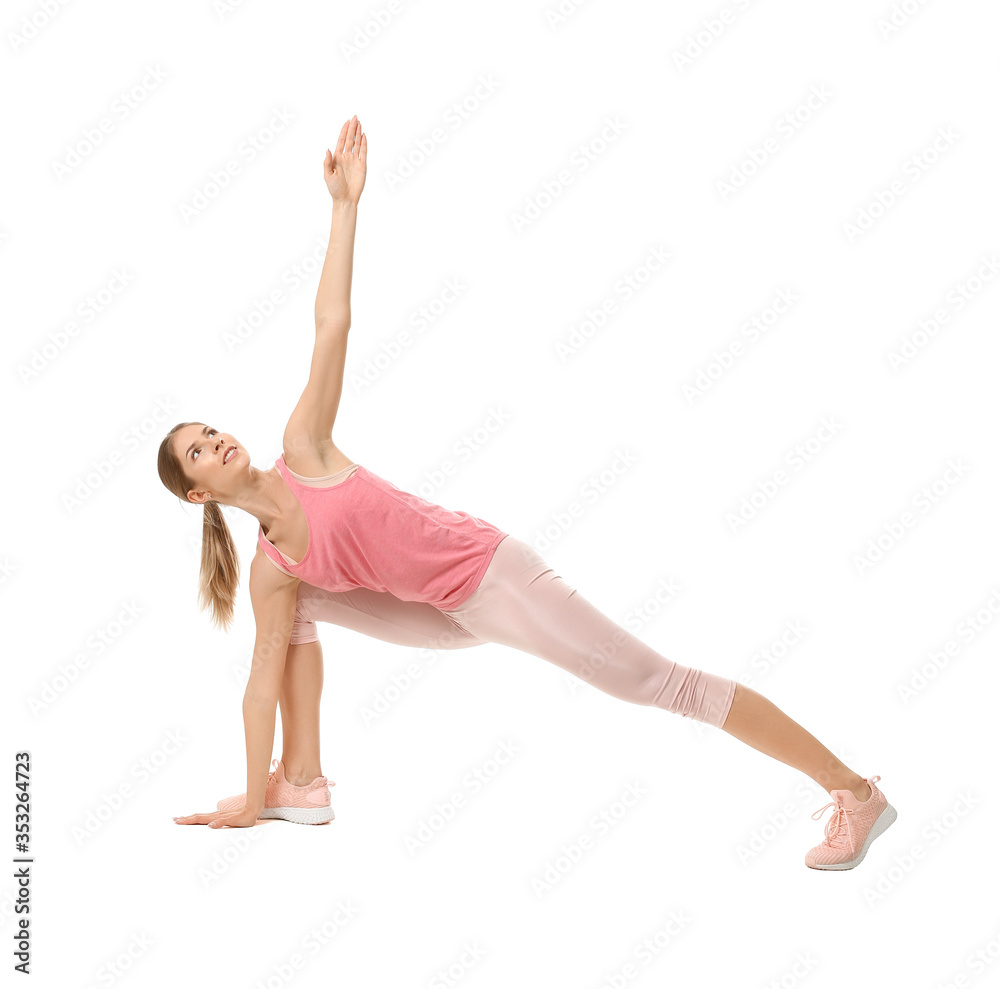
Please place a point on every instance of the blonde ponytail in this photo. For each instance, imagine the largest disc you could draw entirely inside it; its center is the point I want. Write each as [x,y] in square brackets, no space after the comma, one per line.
[220,567]
[219,577]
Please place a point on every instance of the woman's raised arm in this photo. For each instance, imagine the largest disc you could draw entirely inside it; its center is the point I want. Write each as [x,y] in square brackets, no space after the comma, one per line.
[344,171]
[310,425]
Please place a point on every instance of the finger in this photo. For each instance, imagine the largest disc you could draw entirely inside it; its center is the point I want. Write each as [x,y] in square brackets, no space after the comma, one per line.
[352,132]
[195,818]
[224,820]
[363,152]
[339,146]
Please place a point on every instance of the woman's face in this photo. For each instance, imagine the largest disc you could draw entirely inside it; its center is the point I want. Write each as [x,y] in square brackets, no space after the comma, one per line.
[210,458]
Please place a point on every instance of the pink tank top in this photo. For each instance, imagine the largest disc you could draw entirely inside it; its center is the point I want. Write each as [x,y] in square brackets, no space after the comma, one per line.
[366,532]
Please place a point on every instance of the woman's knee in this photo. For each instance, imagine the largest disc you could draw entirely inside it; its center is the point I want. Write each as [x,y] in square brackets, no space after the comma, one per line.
[642,676]
[695,694]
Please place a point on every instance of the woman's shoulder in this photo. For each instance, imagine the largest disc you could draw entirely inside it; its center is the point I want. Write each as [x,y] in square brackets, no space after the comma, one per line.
[266,576]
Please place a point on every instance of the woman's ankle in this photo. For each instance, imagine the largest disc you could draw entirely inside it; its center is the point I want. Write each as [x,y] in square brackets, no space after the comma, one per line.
[852,782]
[300,773]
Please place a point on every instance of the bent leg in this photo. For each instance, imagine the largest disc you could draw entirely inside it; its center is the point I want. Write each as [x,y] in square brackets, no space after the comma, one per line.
[301,688]
[378,614]
[522,602]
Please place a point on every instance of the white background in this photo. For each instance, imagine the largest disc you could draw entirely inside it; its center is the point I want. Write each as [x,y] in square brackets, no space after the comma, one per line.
[476,115]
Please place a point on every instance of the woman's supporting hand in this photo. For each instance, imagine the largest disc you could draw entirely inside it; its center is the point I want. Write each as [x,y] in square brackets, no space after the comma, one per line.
[242,817]
[344,169]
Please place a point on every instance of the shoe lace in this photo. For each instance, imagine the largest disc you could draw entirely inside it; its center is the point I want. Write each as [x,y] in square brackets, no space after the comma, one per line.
[838,828]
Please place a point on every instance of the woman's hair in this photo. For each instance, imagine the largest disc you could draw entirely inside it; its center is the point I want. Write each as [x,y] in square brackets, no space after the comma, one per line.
[220,565]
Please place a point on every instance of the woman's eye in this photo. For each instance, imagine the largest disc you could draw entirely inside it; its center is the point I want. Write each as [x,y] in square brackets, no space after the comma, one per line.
[196,452]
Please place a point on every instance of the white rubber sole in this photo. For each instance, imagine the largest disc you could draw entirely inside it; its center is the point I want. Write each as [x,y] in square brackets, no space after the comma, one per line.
[298,815]
[882,822]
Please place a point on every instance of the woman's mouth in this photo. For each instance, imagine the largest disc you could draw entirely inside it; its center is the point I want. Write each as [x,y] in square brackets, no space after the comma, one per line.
[230,453]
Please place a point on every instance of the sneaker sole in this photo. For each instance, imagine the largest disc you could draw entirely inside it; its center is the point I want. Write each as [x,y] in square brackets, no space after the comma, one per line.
[881,824]
[298,815]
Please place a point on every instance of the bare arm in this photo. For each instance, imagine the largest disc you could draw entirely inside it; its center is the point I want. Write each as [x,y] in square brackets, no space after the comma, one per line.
[333,298]
[344,171]
[311,421]
[273,597]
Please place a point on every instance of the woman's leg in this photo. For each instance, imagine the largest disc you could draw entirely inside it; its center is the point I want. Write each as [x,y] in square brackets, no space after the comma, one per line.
[755,720]
[301,687]
[380,615]
[522,602]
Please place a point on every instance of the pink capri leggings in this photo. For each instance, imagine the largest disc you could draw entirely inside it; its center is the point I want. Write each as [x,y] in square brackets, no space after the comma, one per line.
[522,602]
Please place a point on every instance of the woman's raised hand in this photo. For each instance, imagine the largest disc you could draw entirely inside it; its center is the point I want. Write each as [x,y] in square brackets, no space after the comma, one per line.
[344,168]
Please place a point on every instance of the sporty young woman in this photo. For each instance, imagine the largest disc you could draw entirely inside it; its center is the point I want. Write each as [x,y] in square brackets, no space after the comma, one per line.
[338,543]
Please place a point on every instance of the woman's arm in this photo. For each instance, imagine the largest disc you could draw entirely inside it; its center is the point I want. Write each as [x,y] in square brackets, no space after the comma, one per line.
[333,298]
[310,425]
[344,171]
[273,596]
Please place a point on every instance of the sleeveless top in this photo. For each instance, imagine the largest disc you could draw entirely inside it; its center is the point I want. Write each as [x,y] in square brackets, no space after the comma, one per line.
[366,532]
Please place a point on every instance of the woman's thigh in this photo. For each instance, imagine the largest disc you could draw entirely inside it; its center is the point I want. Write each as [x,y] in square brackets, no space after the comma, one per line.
[378,614]
[522,602]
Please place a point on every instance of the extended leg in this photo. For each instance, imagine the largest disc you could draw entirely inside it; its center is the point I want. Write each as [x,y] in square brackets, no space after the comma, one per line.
[753,719]
[523,603]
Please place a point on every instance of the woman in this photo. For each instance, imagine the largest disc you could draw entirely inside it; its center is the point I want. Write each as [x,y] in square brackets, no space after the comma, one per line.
[340,544]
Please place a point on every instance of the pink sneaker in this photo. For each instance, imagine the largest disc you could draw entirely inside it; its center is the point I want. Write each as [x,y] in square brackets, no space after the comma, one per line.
[283,801]
[854,826]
